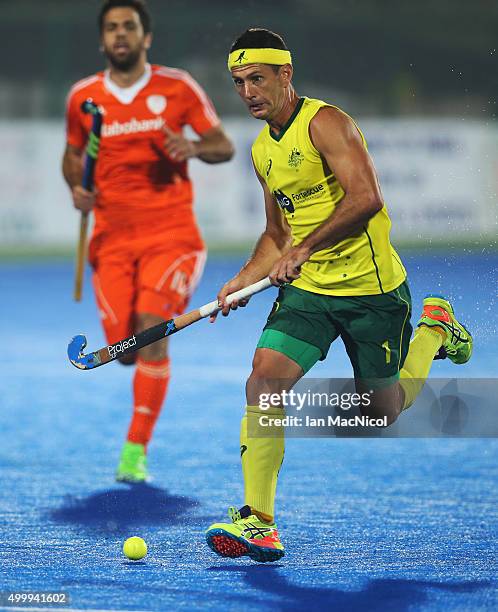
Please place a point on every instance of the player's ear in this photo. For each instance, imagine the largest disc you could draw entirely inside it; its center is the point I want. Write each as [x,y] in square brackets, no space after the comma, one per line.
[285,74]
[148,41]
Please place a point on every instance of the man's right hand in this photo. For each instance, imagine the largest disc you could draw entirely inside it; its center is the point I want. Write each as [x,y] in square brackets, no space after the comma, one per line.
[82,199]
[233,285]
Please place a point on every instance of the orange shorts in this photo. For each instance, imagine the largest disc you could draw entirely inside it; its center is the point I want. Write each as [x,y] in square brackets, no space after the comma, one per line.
[137,274]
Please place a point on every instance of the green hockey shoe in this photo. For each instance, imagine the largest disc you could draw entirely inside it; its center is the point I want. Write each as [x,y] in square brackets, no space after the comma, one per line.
[438,312]
[133,464]
[245,535]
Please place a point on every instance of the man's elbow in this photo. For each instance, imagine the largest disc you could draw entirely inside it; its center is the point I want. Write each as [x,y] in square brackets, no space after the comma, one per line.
[281,238]
[373,204]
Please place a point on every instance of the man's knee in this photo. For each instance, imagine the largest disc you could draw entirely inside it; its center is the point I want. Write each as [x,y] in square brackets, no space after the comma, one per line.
[262,363]
[382,403]
[272,372]
[156,351]
[382,408]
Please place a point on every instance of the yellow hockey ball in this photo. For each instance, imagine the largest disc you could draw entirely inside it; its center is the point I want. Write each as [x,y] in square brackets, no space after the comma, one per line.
[135,548]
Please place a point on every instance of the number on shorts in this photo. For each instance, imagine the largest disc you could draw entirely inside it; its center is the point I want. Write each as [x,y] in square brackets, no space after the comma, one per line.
[385,345]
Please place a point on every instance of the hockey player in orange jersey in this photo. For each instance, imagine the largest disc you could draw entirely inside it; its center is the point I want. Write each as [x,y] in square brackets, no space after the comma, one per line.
[146,250]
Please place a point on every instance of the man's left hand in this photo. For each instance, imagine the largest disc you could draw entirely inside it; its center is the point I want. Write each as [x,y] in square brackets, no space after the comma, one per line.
[288,268]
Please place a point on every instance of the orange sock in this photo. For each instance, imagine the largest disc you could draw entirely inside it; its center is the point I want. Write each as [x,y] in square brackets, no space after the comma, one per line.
[149,389]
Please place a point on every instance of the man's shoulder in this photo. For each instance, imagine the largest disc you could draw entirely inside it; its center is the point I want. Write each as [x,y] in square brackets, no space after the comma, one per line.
[319,110]
[263,135]
[168,72]
[259,148]
[84,86]
[174,77]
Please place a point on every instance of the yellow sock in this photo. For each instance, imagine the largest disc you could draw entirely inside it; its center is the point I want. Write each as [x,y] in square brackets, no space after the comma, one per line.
[425,344]
[262,453]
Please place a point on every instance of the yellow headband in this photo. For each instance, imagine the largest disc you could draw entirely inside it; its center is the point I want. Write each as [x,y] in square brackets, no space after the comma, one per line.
[242,57]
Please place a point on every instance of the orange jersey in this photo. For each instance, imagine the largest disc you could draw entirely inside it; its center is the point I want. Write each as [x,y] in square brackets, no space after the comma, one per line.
[137,183]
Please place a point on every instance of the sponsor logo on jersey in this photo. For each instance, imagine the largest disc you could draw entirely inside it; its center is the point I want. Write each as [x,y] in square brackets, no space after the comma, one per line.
[156,104]
[120,347]
[268,166]
[287,203]
[295,158]
[284,201]
[134,126]
[308,193]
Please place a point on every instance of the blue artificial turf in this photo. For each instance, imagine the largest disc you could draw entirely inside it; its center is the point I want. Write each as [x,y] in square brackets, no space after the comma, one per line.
[368,524]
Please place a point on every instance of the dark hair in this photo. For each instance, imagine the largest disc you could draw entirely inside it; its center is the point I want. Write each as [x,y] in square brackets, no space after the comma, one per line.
[258,38]
[137,5]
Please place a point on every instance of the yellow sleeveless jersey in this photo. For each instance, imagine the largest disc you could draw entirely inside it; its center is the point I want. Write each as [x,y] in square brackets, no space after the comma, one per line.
[294,171]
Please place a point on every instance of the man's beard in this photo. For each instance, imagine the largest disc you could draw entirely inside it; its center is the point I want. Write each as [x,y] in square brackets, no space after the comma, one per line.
[126,63]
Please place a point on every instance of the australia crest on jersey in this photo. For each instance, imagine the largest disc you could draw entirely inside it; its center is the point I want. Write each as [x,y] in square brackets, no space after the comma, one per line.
[295,158]
[156,104]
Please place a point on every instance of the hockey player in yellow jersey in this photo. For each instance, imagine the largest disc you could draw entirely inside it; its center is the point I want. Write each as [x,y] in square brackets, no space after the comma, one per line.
[308,192]
[326,245]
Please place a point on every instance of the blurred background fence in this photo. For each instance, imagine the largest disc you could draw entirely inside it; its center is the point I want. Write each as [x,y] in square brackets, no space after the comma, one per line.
[419,77]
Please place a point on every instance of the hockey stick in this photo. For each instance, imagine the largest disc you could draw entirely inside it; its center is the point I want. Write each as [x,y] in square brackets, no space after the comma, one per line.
[153,334]
[92,149]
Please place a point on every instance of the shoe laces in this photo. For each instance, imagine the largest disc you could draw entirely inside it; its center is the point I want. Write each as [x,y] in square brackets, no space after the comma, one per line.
[234,514]
[237,515]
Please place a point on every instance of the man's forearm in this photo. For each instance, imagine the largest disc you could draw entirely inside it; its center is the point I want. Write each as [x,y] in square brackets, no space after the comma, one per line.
[348,218]
[72,169]
[214,151]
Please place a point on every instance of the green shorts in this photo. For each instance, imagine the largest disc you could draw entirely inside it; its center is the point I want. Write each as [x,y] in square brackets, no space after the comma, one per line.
[375,329]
